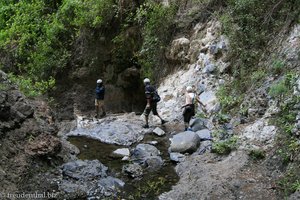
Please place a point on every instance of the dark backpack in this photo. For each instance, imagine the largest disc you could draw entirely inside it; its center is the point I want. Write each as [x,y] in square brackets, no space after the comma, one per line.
[155,97]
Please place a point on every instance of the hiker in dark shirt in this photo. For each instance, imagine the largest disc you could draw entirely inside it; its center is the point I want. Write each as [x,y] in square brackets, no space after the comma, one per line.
[151,104]
[99,100]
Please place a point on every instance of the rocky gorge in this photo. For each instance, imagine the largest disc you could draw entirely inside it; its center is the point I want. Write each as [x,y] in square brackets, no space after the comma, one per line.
[224,155]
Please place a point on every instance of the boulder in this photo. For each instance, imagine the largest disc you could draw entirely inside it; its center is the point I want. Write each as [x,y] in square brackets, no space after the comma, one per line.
[210,101]
[133,170]
[142,151]
[107,186]
[205,146]
[204,134]
[121,152]
[43,145]
[87,179]
[179,49]
[154,163]
[197,124]
[158,131]
[177,157]
[147,156]
[83,170]
[185,142]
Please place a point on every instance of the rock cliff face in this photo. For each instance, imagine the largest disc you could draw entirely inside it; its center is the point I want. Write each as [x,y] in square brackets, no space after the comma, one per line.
[27,140]
[202,57]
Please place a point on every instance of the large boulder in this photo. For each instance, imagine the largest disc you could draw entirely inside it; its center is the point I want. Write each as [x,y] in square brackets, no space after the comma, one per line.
[185,142]
[204,134]
[133,170]
[84,170]
[87,179]
[197,124]
[124,130]
[179,49]
[148,156]
[210,101]
[43,145]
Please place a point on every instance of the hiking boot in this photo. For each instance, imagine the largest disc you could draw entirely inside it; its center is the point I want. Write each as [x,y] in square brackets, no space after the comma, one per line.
[146,126]
[163,121]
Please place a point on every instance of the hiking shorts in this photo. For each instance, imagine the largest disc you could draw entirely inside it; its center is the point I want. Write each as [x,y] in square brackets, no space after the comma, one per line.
[99,102]
[153,107]
[188,113]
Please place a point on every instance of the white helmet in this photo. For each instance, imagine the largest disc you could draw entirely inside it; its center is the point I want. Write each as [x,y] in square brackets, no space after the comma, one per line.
[99,81]
[146,80]
[189,89]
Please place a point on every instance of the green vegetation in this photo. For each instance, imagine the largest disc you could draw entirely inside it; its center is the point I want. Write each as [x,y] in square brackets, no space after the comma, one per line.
[290,182]
[257,154]
[223,146]
[288,145]
[38,38]
[228,101]
[150,189]
[155,21]
[250,26]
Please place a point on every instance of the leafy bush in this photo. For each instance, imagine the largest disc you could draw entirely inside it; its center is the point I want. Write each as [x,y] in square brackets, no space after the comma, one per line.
[277,66]
[30,88]
[156,21]
[224,147]
[257,154]
[250,25]
[278,90]
[36,36]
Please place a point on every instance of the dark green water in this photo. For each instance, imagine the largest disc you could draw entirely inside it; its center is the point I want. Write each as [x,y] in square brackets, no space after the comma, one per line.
[150,186]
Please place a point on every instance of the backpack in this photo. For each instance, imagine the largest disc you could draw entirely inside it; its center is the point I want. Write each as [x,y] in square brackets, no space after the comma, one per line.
[155,97]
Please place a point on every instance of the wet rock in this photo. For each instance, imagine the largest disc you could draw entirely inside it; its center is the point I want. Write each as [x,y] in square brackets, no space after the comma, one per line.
[107,186]
[177,157]
[111,130]
[158,131]
[185,142]
[154,163]
[121,152]
[80,170]
[147,156]
[43,145]
[204,134]
[87,179]
[133,170]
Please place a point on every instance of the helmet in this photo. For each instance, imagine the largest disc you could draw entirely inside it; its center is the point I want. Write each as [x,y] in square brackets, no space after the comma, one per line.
[99,81]
[189,89]
[146,80]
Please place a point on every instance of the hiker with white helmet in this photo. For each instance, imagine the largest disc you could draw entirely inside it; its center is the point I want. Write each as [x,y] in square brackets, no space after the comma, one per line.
[189,108]
[152,98]
[99,100]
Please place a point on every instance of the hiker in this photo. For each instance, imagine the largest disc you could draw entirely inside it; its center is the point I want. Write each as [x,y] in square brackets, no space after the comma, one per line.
[151,102]
[99,101]
[189,108]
